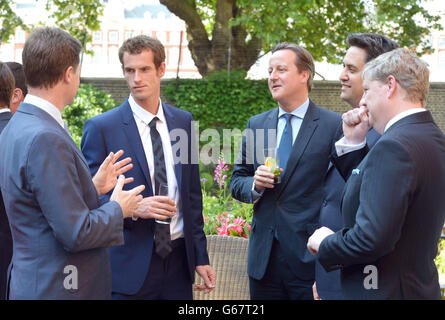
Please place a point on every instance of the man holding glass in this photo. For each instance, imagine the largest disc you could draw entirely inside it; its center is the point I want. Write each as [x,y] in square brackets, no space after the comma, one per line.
[285,213]
[158,260]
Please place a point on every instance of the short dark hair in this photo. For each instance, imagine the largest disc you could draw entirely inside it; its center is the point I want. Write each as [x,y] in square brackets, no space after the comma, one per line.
[303,60]
[48,52]
[7,85]
[19,76]
[140,43]
[374,44]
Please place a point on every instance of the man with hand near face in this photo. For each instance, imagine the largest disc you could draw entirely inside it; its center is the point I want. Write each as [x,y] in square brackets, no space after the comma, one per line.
[363,48]
[392,204]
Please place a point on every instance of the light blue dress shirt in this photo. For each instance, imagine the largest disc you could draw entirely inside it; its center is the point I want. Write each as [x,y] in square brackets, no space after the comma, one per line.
[296,122]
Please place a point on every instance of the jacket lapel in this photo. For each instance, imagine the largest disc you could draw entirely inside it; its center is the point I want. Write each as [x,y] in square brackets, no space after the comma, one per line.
[174,123]
[301,142]
[269,141]
[134,142]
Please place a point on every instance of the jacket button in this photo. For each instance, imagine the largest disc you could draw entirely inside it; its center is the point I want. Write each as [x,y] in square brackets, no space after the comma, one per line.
[325,203]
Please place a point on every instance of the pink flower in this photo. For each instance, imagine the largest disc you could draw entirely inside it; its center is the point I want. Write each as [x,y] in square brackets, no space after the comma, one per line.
[223,230]
[234,228]
[219,176]
[239,221]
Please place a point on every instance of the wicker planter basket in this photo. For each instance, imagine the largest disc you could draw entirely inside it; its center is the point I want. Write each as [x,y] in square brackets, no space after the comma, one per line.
[228,257]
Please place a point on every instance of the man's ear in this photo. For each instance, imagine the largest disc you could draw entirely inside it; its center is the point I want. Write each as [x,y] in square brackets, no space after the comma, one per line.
[17,96]
[392,84]
[161,70]
[68,75]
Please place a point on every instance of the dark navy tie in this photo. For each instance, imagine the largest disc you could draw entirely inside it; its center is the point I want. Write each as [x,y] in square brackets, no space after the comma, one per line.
[163,245]
[285,147]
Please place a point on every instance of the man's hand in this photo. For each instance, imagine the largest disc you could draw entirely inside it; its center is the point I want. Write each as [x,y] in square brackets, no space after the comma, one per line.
[105,178]
[263,178]
[313,244]
[356,125]
[209,275]
[128,200]
[156,207]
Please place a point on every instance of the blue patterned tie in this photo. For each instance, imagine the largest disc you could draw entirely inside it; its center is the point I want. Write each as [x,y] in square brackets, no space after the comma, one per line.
[163,245]
[285,146]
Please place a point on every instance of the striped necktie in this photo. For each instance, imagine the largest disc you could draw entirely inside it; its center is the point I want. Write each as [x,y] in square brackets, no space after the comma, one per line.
[163,245]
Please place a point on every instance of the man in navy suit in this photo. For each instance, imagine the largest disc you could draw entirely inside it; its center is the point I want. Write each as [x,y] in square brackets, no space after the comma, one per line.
[285,214]
[392,205]
[59,229]
[363,48]
[139,269]
[7,84]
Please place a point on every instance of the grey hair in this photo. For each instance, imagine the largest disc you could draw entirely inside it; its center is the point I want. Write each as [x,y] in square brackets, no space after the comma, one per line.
[410,71]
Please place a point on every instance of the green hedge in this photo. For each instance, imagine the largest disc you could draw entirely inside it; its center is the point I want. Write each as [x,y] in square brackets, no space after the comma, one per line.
[219,101]
[88,103]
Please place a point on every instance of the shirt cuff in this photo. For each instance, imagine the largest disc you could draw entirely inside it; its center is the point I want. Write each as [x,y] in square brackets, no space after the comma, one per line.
[342,146]
[256,195]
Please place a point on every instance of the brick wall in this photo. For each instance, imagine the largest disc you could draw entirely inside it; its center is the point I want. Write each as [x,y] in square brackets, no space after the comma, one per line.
[324,93]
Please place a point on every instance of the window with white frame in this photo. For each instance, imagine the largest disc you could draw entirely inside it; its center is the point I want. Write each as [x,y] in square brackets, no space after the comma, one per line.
[97,55]
[113,37]
[20,36]
[97,37]
[128,34]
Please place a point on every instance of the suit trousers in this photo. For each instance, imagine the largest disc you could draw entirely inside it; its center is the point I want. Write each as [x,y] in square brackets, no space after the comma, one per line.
[167,279]
[279,282]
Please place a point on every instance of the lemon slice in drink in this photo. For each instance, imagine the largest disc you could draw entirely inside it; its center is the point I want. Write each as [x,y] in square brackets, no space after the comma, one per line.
[270,162]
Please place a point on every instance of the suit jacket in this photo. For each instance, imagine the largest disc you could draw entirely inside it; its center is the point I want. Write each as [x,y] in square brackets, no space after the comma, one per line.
[328,283]
[5,232]
[393,213]
[53,209]
[115,130]
[292,207]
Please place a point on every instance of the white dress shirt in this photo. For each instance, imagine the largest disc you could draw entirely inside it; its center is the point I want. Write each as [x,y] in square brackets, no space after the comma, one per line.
[342,147]
[142,118]
[46,106]
[5,110]
[296,122]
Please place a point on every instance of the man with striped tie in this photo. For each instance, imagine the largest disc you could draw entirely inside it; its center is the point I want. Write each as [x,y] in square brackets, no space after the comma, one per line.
[158,260]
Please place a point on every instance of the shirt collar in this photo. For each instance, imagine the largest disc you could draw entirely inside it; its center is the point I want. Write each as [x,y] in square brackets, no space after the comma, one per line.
[46,106]
[299,112]
[5,110]
[143,114]
[402,115]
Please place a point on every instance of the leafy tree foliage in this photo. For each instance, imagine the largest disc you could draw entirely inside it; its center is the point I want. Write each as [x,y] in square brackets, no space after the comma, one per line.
[78,17]
[248,26]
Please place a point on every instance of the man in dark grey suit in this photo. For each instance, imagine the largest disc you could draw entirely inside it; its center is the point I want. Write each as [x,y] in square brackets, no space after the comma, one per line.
[58,227]
[392,204]
[7,88]
[363,48]
[285,214]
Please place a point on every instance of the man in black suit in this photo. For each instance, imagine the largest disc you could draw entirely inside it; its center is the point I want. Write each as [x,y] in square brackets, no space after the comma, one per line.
[7,85]
[363,47]
[392,205]
[285,214]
